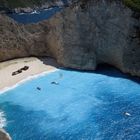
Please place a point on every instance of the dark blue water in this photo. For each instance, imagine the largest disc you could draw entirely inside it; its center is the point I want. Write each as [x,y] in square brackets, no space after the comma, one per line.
[83,106]
[27,18]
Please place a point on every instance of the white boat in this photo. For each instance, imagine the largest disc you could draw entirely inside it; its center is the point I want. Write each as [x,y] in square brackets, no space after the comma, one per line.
[127,114]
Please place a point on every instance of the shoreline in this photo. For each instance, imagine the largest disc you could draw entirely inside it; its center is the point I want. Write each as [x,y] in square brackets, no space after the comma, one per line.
[37,68]
[5,89]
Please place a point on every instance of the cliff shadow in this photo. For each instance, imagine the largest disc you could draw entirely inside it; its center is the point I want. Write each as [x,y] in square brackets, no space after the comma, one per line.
[105,69]
[109,70]
[49,61]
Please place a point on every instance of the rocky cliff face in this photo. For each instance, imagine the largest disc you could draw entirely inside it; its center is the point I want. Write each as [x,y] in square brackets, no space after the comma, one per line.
[98,32]
[101,32]
[81,36]
[16,41]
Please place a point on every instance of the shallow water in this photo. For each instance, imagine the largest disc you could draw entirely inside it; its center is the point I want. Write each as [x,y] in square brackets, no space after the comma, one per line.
[27,18]
[83,106]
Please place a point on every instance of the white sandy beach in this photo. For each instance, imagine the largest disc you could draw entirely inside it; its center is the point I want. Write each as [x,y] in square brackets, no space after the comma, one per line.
[36,66]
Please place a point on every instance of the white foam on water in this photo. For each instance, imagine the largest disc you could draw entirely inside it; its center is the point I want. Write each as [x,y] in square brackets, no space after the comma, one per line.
[35,12]
[3,121]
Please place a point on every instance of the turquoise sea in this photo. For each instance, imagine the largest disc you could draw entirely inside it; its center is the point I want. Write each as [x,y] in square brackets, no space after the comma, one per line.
[104,105]
[100,105]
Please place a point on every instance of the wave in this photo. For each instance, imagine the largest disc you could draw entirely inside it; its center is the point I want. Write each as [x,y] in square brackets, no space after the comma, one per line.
[3,121]
[35,12]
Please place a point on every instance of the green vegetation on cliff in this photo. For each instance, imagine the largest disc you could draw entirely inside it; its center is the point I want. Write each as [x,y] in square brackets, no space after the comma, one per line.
[134,4]
[20,3]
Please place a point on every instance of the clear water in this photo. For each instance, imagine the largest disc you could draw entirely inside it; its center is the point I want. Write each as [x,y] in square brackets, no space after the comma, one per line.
[84,106]
[27,18]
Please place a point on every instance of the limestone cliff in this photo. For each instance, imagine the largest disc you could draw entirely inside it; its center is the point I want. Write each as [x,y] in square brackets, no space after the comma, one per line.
[98,32]
[81,36]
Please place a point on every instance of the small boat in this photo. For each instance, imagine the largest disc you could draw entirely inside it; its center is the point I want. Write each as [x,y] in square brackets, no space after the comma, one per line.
[127,114]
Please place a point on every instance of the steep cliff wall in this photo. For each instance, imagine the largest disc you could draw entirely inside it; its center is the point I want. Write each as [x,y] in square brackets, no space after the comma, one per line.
[16,41]
[82,36]
[98,32]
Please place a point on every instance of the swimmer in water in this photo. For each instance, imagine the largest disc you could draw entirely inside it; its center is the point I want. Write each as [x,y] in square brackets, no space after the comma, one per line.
[38,88]
[55,83]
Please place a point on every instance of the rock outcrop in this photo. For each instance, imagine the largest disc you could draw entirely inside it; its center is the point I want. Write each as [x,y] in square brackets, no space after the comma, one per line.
[81,36]
[4,135]
[16,41]
[99,32]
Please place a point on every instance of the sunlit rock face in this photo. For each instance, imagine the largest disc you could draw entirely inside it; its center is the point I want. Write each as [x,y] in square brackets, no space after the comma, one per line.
[81,36]
[97,32]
